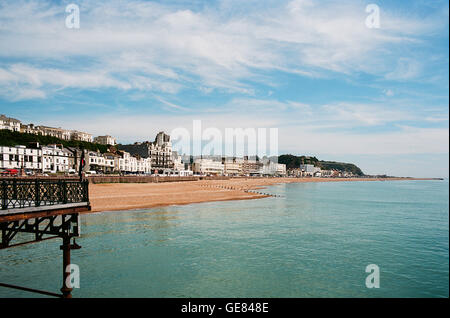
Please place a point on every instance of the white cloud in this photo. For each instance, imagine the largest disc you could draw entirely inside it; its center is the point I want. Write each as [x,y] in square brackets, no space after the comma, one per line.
[389,92]
[364,114]
[25,94]
[296,139]
[437,119]
[171,105]
[159,47]
[258,106]
[405,70]
[407,141]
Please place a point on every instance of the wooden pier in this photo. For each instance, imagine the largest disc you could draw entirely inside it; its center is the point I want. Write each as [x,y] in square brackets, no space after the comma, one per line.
[47,209]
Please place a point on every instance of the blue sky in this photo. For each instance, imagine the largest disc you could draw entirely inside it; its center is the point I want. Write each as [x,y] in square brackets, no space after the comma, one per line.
[334,88]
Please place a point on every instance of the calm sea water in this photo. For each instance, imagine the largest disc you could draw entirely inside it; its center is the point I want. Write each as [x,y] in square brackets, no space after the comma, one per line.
[315,241]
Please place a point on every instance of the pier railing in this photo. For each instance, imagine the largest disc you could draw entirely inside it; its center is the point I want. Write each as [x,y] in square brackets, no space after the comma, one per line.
[46,209]
[23,193]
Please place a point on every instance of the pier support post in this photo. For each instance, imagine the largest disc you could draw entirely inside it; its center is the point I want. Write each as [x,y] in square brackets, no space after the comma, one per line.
[20,204]
[65,247]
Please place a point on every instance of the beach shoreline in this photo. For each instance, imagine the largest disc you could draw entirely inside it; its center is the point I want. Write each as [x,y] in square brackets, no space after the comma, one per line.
[106,197]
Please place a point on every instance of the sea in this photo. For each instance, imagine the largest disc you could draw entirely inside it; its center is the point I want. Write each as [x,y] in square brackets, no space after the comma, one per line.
[312,240]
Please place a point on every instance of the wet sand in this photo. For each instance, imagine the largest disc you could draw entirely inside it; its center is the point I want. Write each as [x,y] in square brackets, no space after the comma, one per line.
[127,196]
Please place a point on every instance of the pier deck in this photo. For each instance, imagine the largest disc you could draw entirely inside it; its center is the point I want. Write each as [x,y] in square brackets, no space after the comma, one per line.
[46,209]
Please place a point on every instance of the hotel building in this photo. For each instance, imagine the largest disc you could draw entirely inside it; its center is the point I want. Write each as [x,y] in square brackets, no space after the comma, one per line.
[159,152]
[126,163]
[232,167]
[105,140]
[251,167]
[207,167]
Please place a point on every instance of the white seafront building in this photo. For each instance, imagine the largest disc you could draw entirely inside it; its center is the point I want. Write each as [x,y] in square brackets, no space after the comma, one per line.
[207,167]
[273,169]
[309,170]
[231,166]
[95,161]
[56,158]
[126,163]
[19,157]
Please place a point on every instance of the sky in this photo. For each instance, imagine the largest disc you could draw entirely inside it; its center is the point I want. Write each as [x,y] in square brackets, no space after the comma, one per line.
[334,87]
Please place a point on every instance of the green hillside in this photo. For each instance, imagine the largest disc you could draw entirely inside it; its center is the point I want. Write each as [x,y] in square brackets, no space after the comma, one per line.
[12,138]
[342,166]
[293,162]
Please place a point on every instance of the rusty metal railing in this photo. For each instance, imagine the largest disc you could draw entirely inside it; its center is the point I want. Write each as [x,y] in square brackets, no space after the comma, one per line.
[22,193]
